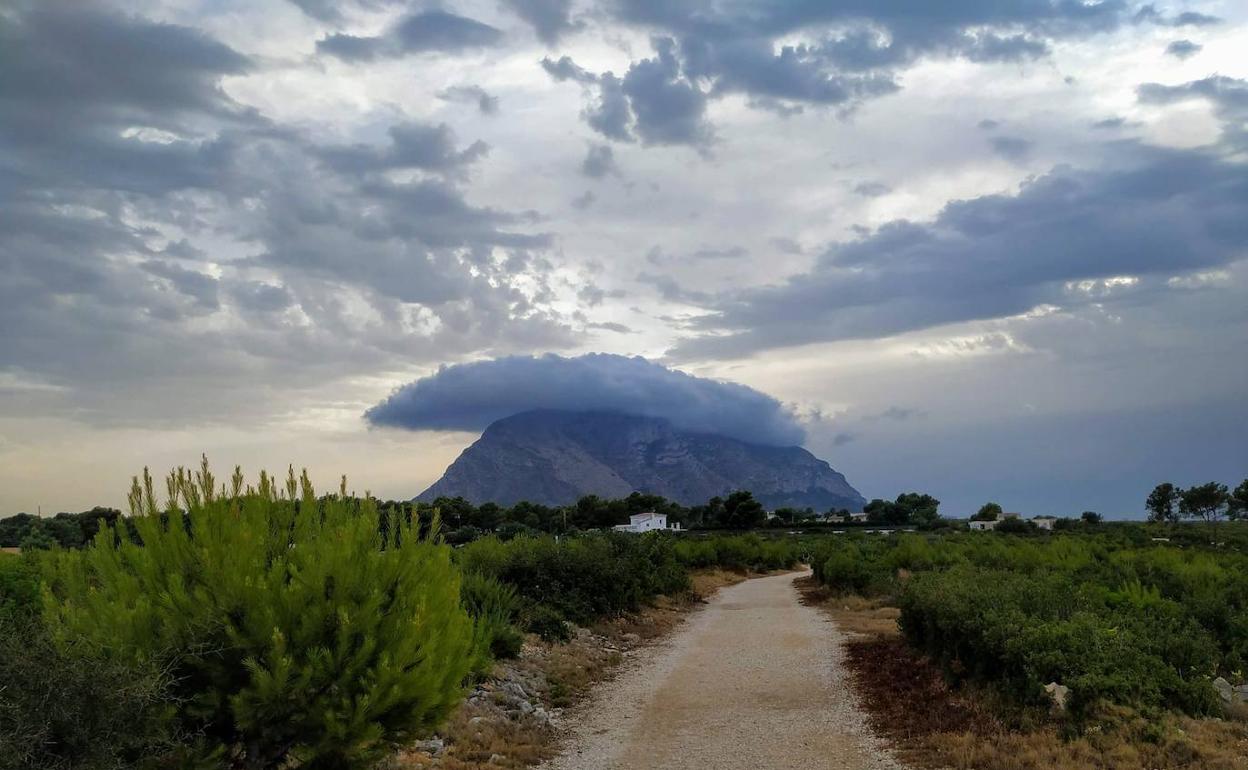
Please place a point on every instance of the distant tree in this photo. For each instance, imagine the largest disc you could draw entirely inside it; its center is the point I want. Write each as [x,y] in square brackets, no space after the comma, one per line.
[1162,503]
[1091,517]
[1207,502]
[14,529]
[742,511]
[786,515]
[38,538]
[988,512]
[1017,526]
[884,512]
[918,508]
[1237,505]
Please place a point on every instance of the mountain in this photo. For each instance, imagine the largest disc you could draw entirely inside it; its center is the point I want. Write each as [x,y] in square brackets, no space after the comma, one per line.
[555,457]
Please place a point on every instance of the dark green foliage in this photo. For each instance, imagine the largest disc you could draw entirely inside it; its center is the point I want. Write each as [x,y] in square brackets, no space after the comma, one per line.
[909,508]
[1109,613]
[1206,501]
[1014,525]
[494,608]
[738,552]
[296,632]
[19,587]
[1238,502]
[1162,503]
[68,530]
[988,512]
[72,707]
[547,623]
[582,578]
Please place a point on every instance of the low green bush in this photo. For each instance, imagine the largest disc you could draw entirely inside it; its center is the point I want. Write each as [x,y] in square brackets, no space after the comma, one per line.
[581,578]
[1108,613]
[74,707]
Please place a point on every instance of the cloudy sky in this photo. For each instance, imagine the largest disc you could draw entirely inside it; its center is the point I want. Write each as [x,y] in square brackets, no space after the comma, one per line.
[989,250]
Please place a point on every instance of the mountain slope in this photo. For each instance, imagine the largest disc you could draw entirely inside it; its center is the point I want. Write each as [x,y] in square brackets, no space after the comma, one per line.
[554,458]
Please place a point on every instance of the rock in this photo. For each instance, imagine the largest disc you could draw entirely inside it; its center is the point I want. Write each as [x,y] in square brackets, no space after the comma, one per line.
[515,689]
[434,746]
[496,759]
[556,457]
[526,707]
[1242,692]
[631,638]
[540,715]
[1058,693]
[1225,691]
[476,720]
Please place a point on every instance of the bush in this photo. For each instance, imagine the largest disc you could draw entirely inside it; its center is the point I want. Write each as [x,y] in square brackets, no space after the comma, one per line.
[294,630]
[583,578]
[548,624]
[19,587]
[71,707]
[493,607]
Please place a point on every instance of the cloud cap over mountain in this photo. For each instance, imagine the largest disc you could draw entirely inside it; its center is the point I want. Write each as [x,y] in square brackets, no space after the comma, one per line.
[473,395]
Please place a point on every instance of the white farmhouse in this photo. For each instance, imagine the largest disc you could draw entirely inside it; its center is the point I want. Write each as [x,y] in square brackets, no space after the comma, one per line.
[983,526]
[1044,522]
[646,522]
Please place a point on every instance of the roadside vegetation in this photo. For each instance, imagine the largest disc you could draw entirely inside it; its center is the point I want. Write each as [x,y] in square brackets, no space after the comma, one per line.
[1097,646]
[225,625]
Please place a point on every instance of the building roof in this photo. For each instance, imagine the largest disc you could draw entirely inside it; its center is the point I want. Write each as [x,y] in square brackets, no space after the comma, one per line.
[636,517]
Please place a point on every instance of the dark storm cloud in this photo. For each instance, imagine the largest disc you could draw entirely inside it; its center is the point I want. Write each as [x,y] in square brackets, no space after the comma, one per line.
[551,19]
[611,115]
[669,108]
[567,69]
[471,396]
[599,162]
[1149,213]
[1183,49]
[120,151]
[486,103]
[412,145]
[422,32]
[707,50]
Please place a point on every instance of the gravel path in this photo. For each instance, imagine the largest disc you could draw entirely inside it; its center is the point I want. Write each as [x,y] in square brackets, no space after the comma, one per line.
[754,681]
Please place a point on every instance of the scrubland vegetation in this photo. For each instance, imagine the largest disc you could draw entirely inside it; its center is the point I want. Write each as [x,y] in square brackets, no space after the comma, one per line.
[233,626]
[1118,618]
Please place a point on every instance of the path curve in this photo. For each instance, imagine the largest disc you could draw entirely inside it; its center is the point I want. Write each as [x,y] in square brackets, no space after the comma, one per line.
[754,680]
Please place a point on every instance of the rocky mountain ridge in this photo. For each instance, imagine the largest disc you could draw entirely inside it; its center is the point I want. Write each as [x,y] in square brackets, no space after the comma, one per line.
[555,457]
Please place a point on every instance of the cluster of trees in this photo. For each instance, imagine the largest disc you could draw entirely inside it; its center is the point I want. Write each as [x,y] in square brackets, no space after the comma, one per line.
[1209,502]
[68,530]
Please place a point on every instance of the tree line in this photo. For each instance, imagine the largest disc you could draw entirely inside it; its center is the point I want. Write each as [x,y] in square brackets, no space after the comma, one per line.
[1211,502]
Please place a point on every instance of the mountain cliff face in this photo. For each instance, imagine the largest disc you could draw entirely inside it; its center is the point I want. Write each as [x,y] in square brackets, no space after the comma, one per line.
[554,458]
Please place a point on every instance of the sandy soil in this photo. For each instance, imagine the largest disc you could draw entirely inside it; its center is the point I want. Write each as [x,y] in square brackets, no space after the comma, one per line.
[754,680]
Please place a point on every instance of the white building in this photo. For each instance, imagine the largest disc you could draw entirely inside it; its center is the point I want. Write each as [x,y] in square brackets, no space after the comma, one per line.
[1044,522]
[646,522]
[983,526]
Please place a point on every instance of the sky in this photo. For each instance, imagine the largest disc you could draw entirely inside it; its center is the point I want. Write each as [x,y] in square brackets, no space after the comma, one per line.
[989,251]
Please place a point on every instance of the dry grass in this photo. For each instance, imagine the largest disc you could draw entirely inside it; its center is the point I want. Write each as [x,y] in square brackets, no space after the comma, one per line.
[933,725]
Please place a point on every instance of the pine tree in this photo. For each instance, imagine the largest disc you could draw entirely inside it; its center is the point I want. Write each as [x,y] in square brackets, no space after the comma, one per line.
[298,632]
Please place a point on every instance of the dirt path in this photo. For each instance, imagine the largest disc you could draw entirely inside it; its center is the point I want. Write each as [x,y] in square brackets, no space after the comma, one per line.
[753,681]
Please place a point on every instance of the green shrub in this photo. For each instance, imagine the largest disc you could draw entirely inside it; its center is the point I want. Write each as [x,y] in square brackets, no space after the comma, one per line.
[71,707]
[494,607]
[19,586]
[548,624]
[581,578]
[295,632]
